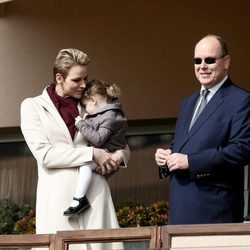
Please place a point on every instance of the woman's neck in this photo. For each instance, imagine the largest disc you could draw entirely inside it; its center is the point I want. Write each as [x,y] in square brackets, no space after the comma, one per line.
[59,91]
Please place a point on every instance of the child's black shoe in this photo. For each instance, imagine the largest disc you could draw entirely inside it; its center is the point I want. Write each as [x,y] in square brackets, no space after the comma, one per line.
[83,205]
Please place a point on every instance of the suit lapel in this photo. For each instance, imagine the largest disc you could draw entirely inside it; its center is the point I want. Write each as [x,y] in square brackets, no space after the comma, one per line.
[184,119]
[189,111]
[207,113]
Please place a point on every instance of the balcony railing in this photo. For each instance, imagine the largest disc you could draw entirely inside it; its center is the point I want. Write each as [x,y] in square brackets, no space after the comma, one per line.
[211,236]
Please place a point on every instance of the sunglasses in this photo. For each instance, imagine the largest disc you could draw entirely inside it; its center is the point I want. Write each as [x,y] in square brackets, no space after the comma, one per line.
[207,60]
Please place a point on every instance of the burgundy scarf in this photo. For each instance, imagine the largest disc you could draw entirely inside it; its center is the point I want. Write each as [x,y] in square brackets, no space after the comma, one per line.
[67,108]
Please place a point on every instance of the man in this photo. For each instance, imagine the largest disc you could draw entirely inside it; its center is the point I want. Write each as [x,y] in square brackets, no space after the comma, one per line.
[207,157]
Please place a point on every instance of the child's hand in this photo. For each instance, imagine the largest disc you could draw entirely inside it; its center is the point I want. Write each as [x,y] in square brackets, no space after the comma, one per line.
[77,119]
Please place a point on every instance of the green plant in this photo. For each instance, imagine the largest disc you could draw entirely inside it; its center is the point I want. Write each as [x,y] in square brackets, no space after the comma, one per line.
[132,215]
[10,214]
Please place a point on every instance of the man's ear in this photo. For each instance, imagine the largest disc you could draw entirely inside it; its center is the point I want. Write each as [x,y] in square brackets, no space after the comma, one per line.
[227,62]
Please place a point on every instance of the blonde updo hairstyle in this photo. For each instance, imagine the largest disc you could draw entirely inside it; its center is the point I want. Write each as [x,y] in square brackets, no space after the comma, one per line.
[108,90]
[66,59]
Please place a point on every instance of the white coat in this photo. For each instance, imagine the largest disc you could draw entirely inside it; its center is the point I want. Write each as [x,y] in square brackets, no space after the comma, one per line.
[58,158]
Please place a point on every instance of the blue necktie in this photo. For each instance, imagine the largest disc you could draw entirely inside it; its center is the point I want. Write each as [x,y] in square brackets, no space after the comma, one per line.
[203,102]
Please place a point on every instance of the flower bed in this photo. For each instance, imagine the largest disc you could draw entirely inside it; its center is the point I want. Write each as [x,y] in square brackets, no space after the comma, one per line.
[16,219]
[132,215]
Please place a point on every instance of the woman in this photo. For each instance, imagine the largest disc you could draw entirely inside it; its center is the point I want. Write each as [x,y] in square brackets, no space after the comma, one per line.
[47,123]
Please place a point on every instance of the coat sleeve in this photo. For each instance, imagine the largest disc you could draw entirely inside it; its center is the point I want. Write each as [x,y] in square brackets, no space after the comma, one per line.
[124,155]
[99,136]
[51,155]
[96,135]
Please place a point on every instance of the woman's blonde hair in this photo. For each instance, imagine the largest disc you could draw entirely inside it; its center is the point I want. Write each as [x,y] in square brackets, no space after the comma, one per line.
[66,59]
[109,90]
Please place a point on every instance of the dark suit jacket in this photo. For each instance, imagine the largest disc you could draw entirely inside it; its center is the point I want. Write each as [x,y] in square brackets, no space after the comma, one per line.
[211,190]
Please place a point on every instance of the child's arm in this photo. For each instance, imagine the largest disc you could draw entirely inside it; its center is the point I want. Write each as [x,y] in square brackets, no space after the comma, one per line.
[96,135]
[79,118]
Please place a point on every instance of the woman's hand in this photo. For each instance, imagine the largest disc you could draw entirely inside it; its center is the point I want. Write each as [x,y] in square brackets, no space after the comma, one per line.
[105,162]
[117,157]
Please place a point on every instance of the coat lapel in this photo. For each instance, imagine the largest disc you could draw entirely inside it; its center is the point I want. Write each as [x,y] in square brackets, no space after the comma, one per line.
[45,101]
[207,113]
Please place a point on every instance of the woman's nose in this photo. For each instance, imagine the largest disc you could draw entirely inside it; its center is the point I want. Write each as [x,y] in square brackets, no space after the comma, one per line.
[83,83]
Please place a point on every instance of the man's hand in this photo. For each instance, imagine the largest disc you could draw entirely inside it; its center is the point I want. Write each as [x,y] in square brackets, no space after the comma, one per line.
[164,157]
[161,156]
[177,161]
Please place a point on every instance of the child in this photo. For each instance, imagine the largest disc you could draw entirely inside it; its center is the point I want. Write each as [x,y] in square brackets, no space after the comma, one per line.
[103,126]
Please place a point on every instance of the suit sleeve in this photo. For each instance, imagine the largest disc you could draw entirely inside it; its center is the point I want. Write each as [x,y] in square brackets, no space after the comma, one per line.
[61,155]
[234,153]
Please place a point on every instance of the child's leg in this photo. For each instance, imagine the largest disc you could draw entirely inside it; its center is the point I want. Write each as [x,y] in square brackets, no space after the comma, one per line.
[84,179]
